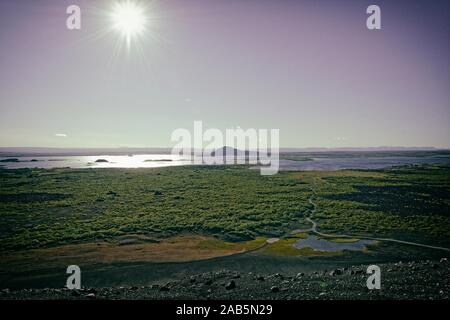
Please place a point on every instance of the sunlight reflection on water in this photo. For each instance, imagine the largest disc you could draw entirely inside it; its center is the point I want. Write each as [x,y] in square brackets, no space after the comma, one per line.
[102,161]
[168,160]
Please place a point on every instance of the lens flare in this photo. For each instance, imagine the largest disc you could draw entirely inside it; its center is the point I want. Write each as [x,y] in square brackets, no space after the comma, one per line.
[129,18]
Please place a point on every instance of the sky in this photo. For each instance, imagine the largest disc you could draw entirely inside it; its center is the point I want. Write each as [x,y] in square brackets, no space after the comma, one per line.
[309,68]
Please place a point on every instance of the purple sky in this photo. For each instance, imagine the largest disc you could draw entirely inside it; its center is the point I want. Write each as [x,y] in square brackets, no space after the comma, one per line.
[309,68]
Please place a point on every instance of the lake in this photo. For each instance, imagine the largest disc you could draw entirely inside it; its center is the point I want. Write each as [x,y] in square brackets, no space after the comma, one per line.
[100,161]
[329,246]
[165,160]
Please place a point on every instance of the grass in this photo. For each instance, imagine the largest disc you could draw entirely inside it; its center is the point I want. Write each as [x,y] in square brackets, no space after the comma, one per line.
[284,247]
[176,249]
[301,235]
[230,203]
[407,200]
[309,252]
[51,208]
[216,244]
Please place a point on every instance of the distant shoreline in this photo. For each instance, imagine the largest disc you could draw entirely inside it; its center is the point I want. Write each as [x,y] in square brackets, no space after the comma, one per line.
[13,152]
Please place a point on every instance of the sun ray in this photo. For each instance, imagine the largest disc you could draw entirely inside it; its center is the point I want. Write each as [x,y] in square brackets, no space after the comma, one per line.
[129,38]
[130,19]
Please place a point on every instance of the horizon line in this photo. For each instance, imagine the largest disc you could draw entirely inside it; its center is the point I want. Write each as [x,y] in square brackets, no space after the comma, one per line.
[4,149]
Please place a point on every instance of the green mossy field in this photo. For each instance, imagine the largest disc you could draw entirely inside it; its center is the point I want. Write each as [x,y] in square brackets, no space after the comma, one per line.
[44,208]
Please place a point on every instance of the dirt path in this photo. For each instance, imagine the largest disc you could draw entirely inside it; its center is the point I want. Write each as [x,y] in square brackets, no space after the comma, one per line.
[325,235]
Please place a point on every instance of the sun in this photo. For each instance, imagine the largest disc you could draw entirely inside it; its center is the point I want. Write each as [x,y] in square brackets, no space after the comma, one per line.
[129,18]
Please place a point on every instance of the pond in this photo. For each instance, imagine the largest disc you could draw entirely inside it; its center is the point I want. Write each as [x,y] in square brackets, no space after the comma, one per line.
[330,246]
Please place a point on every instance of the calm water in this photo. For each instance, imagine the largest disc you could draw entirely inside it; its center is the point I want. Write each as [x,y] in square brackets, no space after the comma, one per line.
[166,160]
[135,161]
[329,246]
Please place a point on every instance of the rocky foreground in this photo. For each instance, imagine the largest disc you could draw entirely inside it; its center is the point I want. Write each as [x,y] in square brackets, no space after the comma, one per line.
[412,280]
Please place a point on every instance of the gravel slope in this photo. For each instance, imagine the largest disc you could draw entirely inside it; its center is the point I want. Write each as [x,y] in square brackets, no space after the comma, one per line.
[412,280]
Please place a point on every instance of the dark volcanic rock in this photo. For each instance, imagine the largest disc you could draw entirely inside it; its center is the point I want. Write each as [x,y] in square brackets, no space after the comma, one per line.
[336,272]
[399,284]
[164,288]
[75,293]
[10,160]
[230,285]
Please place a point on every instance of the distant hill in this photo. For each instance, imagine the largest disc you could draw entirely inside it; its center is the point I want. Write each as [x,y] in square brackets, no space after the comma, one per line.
[229,151]
[353,149]
[25,151]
